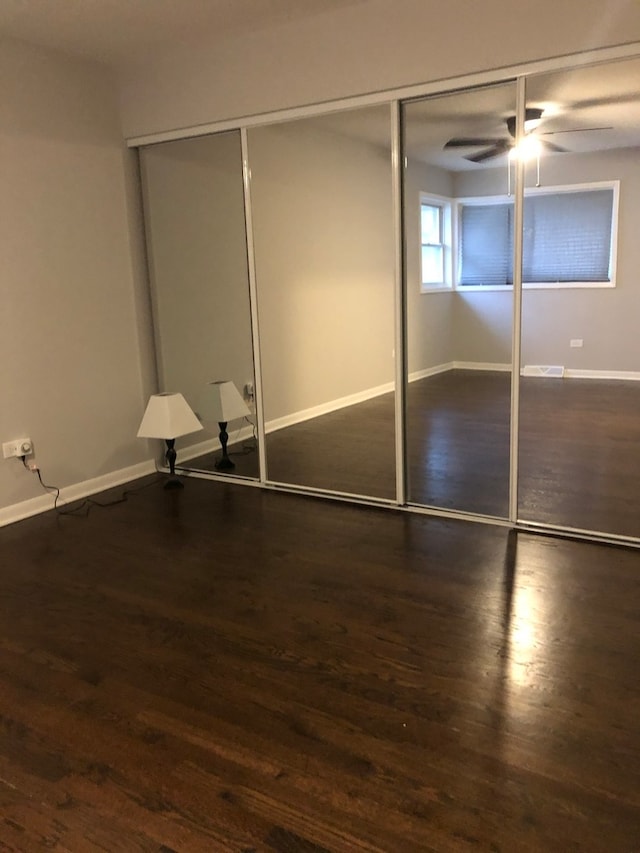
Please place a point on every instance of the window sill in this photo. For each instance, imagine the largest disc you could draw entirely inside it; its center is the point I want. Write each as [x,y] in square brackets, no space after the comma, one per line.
[538,285]
[436,288]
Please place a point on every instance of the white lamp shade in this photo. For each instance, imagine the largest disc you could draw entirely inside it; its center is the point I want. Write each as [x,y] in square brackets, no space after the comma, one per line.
[168,416]
[221,402]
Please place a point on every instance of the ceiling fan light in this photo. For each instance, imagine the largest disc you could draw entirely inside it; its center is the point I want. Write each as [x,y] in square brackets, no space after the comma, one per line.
[527,149]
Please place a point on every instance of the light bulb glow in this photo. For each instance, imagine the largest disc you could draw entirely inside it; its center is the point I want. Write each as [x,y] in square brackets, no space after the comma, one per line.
[527,149]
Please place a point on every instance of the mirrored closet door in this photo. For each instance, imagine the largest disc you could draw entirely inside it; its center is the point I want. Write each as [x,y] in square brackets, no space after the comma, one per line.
[196,237]
[579,460]
[323,246]
[323,235]
[458,245]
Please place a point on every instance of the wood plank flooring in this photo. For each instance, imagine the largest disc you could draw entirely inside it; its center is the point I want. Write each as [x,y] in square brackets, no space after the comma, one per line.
[579,455]
[231,669]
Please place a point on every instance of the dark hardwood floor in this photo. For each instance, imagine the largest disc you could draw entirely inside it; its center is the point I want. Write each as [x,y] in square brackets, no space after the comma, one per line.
[579,449]
[458,441]
[231,669]
[580,454]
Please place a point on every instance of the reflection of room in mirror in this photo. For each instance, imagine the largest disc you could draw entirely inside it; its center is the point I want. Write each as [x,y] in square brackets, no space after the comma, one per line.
[194,212]
[579,395]
[323,231]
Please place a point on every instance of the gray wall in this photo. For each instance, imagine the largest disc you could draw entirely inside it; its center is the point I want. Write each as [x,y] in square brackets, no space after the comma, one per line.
[323,230]
[73,327]
[606,319]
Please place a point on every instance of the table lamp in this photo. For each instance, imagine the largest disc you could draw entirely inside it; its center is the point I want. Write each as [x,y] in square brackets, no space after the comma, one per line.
[221,402]
[168,416]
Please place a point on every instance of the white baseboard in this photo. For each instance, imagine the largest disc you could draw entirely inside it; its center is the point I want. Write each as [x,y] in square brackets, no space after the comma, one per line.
[572,373]
[632,375]
[430,371]
[44,502]
[326,408]
[458,365]
[481,365]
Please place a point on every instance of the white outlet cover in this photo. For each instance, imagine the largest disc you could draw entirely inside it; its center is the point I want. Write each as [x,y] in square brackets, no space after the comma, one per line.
[18,447]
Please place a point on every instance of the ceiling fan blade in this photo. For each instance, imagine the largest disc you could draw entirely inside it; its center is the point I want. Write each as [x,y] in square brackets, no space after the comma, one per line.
[574,130]
[553,148]
[530,114]
[502,146]
[471,142]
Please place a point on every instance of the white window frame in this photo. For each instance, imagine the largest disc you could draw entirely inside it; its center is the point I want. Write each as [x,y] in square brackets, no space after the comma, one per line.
[549,190]
[446,206]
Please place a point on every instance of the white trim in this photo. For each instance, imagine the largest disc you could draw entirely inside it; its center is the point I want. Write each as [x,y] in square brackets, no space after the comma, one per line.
[253,305]
[431,371]
[528,370]
[581,533]
[399,311]
[572,373]
[326,408]
[533,285]
[446,207]
[516,308]
[348,497]
[416,90]
[481,365]
[74,492]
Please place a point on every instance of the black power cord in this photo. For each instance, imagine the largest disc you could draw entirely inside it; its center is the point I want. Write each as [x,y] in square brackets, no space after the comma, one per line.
[249,445]
[84,508]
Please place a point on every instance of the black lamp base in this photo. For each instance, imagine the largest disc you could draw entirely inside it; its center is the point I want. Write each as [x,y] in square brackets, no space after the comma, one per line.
[173,482]
[224,463]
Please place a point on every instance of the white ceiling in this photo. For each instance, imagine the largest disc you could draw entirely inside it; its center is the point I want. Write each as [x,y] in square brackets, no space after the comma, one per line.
[120,32]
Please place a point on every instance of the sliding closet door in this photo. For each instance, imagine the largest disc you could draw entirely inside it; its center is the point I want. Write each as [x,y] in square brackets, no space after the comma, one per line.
[196,237]
[323,234]
[580,396]
[458,224]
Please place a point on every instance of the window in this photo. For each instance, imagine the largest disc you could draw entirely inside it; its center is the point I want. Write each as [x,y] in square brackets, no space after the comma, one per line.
[435,229]
[568,238]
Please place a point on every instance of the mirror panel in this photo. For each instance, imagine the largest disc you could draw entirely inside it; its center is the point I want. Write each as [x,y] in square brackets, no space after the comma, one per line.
[196,238]
[458,299]
[579,464]
[323,231]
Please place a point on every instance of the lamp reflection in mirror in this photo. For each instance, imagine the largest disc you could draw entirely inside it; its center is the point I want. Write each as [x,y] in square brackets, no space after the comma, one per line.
[168,416]
[221,402]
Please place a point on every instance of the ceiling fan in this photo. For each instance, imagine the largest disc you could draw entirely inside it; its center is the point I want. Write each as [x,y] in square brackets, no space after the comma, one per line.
[503,144]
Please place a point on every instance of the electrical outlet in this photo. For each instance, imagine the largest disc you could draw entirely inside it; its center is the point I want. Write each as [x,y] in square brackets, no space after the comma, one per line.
[19,447]
[248,390]
[576,342]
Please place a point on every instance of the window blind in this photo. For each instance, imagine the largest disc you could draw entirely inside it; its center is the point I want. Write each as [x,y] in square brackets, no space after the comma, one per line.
[486,244]
[567,237]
